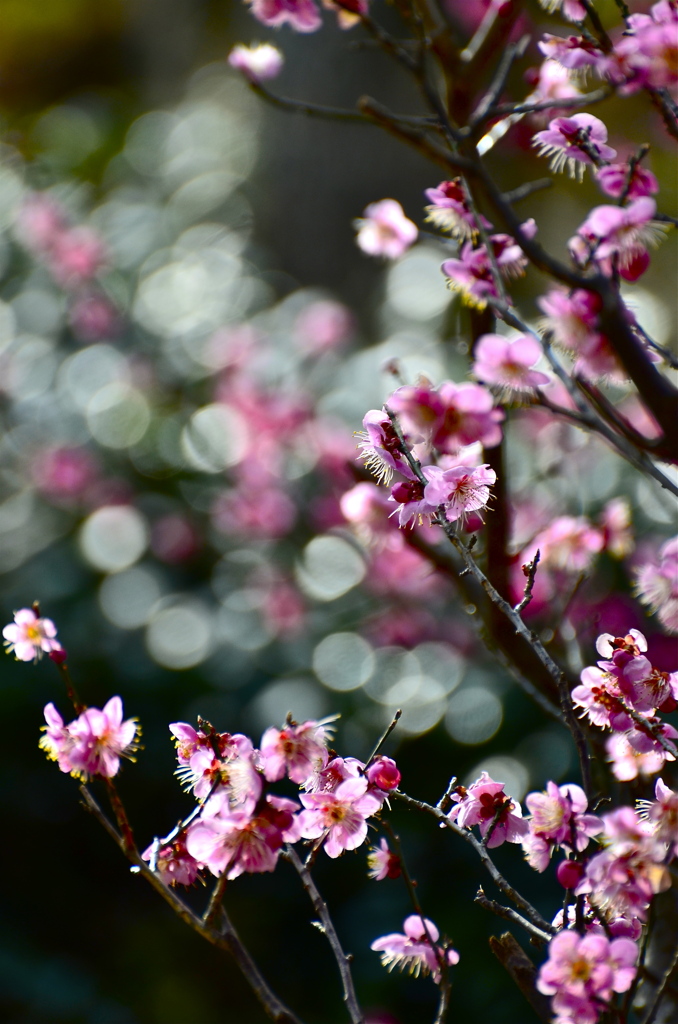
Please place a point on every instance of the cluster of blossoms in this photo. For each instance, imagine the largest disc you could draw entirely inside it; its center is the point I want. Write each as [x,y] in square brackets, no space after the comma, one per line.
[448,423]
[93,743]
[241,826]
[623,693]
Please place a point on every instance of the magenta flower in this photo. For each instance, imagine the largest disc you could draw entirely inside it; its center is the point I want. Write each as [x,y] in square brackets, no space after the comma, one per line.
[559,816]
[629,763]
[295,750]
[508,362]
[449,210]
[415,949]
[468,416]
[574,142]
[646,54]
[618,236]
[574,52]
[381,448]
[300,15]
[617,179]
[657,585]
[384,230]
[100,739]
[600,697]
[382,863]
[341,814]
[232,773]
[174,863]
[589,968]
[236,841]
[413,506]
[383,774]
[76,256]
[29,635]
[569,544]
[487,805]
[459,490]
[420,409]
[662,814]
[258,63]
[471,273]
[572,320]
[57,741]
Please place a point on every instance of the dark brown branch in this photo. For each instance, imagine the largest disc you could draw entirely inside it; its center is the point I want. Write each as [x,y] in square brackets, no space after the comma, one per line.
[226,938]
[510,915]
[511,956]
[328,929]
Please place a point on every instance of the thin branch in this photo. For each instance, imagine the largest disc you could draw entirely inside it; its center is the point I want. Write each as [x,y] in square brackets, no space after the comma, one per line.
[226,939]
[385,735]
[489,865]
[383,117]
[530,571]
[308,109]
[512,53]
[320,907]
[586,99]
[523,191]
[510,915]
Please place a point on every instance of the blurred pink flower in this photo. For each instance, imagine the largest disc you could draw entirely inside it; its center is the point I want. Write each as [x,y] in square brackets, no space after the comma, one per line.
[300,15]
[508,362]
[384,230]
[30,635]
[415,949]
[258,63]
[382,863]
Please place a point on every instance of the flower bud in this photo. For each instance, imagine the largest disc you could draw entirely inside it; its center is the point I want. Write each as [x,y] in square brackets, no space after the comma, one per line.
[383,773]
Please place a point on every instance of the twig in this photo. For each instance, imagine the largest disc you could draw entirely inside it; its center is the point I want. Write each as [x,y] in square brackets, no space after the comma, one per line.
[583,100]
[510,915]
[523,191]
[512,52]
[226,939]
[308,109]
[385,735]
[487,861]
[531,574]
[320,907]
[214,905]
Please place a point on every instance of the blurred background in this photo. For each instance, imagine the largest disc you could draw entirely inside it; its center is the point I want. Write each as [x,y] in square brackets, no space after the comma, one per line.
[180,377]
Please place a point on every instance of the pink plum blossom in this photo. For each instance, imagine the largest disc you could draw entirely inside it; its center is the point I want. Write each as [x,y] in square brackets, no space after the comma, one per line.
[662,814]
[380,446]
[413,506]
[629,763]
[93,317]
[295,750]
[232,773]
[76,256]
[384,230]
[472,273]
[341,815]
[65,474]
[569,544]
[559,816]
[573,52]
[415,949]
[618,236]
[589,968]
[233,840]
[174,863]
[323,326]
[258,63]
[508,362]
[382,863]
[646,53]
[459,490]
[300,15]
[572,319]
[383,774]
[657,585]
[100,739]
[468,415]
[30,635]
[449,210]
[486,804]
[93,743]
[574,142]
[617,526]
[623,179]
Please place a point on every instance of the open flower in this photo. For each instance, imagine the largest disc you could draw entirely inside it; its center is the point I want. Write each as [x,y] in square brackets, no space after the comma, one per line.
[449,210]
[415,949]
[459,490]
[258,63]
[486,804]
[300,15]
[342,815]
[29,635]
[508,361]
[574,142]
[384,230]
